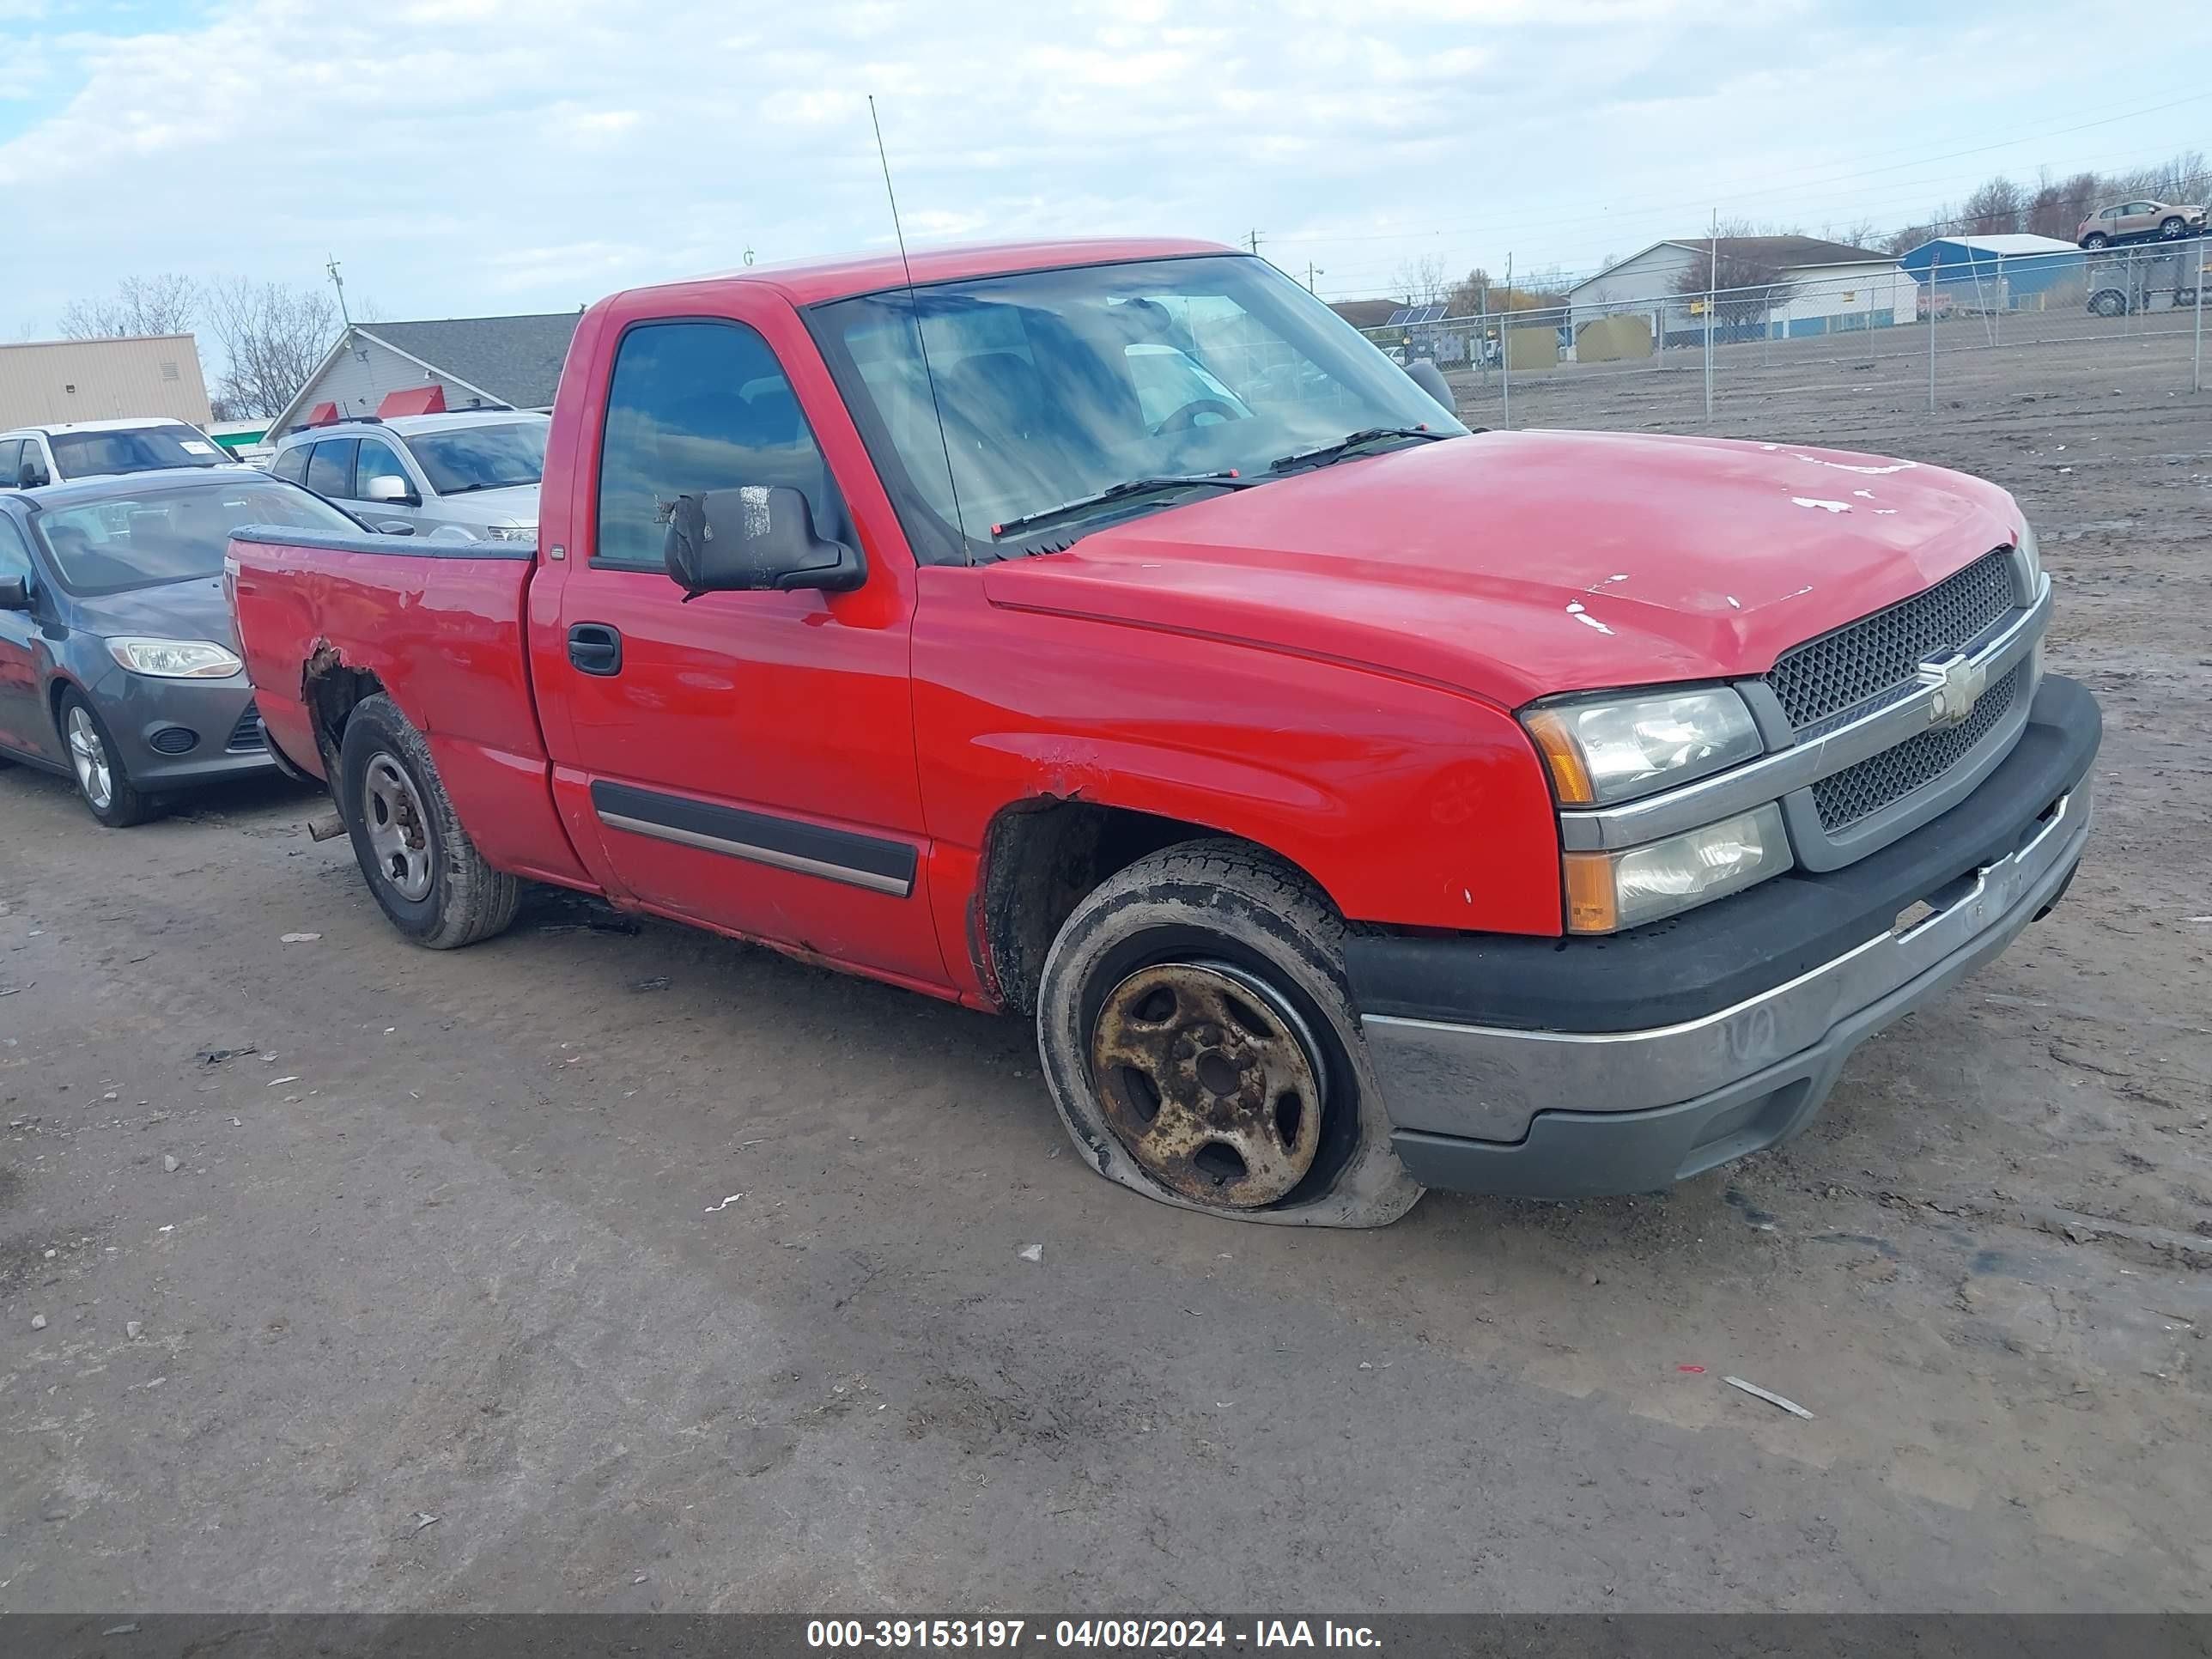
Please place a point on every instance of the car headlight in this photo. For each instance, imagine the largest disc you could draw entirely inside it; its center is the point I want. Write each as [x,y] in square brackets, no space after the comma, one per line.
[511,533]
[2031,559]
[1614,748]
[1609,891]
[176,660]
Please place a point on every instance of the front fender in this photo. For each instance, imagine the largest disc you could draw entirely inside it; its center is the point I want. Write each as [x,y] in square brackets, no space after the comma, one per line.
[1411,804]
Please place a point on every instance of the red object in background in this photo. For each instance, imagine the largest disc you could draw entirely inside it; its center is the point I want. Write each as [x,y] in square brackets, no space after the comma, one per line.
[415,400]
[1699,1369]
[322,415]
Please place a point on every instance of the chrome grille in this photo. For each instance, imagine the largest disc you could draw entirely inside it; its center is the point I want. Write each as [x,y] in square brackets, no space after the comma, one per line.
[1824,677]
[1857,793]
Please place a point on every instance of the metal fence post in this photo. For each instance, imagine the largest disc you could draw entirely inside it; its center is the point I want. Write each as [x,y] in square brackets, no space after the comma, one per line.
[1935,279]
[1712,284]
[2003,299]
[2196,367]
[1505,346]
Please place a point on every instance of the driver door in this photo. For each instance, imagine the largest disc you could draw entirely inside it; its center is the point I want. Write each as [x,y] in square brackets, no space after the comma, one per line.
[746,760]
[22,724]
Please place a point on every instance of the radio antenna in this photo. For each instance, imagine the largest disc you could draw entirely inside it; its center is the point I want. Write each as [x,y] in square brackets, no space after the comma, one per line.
[914,309]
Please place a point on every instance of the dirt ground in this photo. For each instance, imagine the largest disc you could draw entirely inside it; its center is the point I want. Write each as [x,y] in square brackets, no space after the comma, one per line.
[520,1277]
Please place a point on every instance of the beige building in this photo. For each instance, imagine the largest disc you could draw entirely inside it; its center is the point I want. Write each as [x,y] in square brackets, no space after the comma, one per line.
[49,381]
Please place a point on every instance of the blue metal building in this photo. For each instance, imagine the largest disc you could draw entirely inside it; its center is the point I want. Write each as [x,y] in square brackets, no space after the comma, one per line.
[2009,273]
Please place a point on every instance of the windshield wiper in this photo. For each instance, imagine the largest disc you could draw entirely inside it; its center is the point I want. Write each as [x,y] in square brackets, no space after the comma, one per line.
[489,483]
[1228,480]
[1350,441]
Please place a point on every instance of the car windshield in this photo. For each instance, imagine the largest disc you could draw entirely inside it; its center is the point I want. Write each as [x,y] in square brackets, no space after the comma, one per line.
[146,538]
[463,459]
[1058,385]
[132,449]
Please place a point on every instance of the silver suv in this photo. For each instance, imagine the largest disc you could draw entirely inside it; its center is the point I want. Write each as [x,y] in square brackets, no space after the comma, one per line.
[471,475]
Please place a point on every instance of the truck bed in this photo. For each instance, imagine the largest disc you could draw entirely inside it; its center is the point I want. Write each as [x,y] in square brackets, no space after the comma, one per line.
[441,627]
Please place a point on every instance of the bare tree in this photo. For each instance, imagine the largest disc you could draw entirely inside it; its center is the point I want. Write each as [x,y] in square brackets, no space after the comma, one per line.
[163,304]
[273,335]
[1422,280]
[1745,288]
[1994,208]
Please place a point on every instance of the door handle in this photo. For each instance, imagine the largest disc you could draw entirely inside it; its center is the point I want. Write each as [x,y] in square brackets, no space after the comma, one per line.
[595,648]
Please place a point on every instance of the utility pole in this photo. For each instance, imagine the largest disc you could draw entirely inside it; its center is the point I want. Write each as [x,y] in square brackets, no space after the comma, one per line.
[339,282]
[1312,271]
[1252,241]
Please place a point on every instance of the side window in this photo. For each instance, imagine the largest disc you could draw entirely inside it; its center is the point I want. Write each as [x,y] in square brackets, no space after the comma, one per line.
[11,462]
[15,552]
[694,407]
[292,465]
[378,460]
[330,471]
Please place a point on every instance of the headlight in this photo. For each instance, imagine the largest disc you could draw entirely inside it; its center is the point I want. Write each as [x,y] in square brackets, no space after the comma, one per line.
[2031,559]
[1609,891]
[1616,748]
[176,660]
[511,533]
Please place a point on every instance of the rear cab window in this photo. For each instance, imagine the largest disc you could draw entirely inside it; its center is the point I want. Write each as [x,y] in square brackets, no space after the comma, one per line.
[693,407]
[292,465]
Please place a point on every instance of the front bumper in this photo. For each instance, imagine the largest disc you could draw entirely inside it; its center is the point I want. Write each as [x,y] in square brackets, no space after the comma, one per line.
[141,710]
[1510,1070]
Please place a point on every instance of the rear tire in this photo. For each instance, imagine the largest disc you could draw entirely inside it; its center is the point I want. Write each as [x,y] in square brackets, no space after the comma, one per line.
[97,770]
[2095,238]
[424,871]
[1199,1042]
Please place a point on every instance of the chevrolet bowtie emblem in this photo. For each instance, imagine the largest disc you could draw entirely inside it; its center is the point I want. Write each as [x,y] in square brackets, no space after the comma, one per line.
[1958,684]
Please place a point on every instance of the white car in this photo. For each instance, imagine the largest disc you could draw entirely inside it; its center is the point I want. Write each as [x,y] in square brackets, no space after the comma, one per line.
[33,456]
[472,475]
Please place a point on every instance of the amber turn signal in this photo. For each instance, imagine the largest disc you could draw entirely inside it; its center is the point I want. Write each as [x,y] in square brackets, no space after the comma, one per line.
[1593,900]
[1570,777]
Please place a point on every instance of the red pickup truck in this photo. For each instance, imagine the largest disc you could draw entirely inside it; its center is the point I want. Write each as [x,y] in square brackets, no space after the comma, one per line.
[1105,633]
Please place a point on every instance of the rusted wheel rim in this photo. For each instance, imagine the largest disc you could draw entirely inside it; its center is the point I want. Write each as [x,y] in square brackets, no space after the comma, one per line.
[396,832]
[1211,1080]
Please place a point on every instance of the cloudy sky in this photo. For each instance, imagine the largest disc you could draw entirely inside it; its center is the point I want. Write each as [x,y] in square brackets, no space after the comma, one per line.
[469,156]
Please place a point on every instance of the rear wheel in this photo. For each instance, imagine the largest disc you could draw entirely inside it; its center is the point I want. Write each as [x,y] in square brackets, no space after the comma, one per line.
[102,784]
[424,871]
[2095,238]
[2109,303]
[1199,1042]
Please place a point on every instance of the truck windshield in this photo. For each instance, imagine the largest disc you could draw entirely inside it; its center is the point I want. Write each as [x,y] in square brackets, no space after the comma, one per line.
[142,537]
[1056,386]
[132,449]
[463,459]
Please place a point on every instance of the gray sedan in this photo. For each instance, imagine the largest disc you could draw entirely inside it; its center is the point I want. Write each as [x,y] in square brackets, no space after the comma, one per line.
[118,661]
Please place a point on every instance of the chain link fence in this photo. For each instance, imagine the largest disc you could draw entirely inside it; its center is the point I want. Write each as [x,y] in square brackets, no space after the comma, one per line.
[1975,332]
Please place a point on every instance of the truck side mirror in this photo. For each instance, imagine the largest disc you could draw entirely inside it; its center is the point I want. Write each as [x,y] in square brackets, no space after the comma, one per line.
[390,487]
[31,476]
[752,538]
[1426,375]
[15,593]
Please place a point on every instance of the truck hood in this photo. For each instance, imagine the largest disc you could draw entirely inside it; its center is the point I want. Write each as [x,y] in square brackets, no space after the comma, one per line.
[1515,564]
